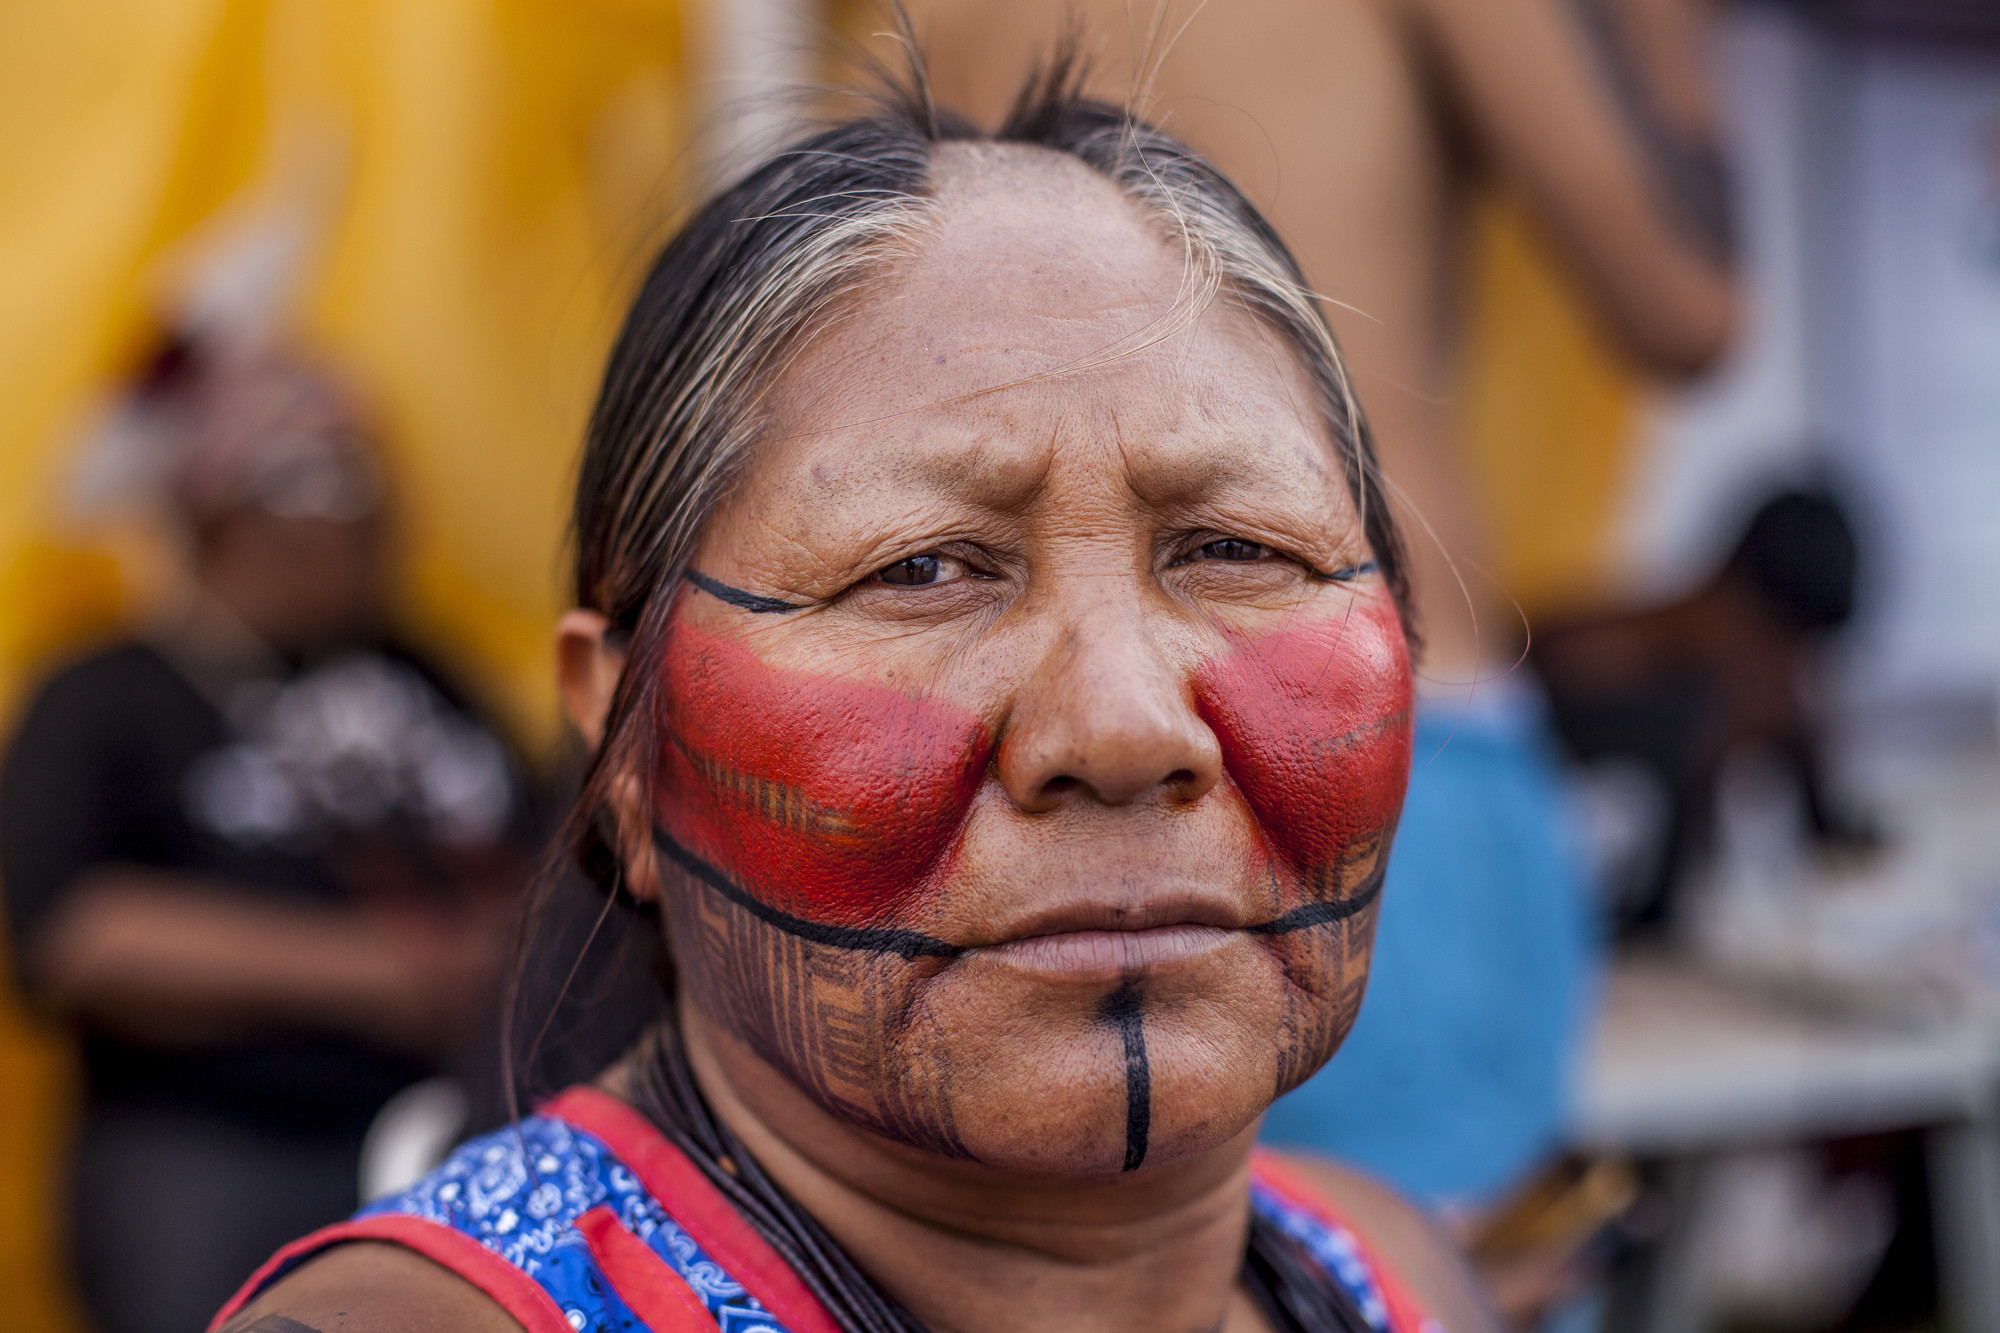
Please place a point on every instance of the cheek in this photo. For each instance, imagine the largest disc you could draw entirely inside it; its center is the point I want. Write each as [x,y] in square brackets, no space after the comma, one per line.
[831,799]
[1314,724]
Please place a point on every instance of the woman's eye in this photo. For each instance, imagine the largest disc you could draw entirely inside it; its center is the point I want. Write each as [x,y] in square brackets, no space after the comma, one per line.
[1233,548]
[918,570]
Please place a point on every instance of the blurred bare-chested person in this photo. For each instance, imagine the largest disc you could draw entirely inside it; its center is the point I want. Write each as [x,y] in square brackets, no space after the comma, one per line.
[1364,128]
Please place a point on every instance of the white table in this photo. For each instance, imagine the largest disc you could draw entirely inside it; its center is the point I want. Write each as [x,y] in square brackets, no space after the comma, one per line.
[1687,1066]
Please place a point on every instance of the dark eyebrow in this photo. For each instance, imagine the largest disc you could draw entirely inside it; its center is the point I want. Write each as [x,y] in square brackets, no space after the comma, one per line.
[749,601]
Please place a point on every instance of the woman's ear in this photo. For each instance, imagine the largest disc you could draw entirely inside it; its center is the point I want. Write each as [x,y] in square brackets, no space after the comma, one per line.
[632,825]
[587,671]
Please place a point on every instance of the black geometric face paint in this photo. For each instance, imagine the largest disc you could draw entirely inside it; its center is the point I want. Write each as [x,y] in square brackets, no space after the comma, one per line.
[1347,573]
[749,601]
[813,812]
[1124,1009]
[863,939]
[915,944]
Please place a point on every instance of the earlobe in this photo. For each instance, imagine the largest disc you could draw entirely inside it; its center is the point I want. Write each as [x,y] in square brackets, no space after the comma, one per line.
[632,816]
[587,671]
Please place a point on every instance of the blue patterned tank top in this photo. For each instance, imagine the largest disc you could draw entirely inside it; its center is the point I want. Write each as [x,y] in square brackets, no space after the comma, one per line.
[586,1219]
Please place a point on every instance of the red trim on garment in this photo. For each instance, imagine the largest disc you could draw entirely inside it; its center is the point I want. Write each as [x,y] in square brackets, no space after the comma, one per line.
[696,1205]
[1406,1313]
[643,1280]
[514,1291]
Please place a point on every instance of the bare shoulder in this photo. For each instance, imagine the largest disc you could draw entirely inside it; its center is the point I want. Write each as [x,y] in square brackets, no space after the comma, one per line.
[365,1287]
[1408,1241]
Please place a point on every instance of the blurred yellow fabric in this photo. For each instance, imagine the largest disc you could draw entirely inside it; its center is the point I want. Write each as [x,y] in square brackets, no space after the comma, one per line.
[485,177]
[1547,416]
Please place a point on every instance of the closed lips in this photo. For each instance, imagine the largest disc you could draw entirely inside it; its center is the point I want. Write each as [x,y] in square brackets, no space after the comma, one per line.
[1109,954]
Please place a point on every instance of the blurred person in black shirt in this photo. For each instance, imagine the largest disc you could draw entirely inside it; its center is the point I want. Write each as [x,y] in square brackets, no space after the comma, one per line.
[1681,686]
[259,856]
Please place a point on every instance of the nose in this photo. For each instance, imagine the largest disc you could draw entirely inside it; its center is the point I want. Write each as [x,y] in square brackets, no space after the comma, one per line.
[1106,716]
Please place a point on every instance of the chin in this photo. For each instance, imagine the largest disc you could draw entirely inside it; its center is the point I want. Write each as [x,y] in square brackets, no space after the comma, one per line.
[1098,1077]
[1075,1060]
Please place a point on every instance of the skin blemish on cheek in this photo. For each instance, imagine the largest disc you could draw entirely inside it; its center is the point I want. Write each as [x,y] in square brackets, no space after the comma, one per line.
[825,805]
[1124,1009]
[1314,724]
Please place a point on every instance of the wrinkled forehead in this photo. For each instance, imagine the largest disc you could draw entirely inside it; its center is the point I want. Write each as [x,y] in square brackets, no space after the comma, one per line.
[1030,263]
[1039,301]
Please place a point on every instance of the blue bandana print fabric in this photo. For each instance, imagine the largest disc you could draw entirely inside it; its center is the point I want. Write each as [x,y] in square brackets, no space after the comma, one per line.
[1334,1249]
[519,1192]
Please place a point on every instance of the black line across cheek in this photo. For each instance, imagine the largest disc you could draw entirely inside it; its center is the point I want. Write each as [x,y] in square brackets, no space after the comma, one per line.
[1124,1009]
[1320,914]
[914,944]
[911,944]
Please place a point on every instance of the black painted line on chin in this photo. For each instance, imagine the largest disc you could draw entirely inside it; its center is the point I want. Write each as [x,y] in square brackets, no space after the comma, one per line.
[910,944]
[1320,914]
[749,601]
[1125,1009]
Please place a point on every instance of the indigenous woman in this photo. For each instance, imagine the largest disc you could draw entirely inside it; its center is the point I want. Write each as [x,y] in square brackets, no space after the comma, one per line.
[992,642]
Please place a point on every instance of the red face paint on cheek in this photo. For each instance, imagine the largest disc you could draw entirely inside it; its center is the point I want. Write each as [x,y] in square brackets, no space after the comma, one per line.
[830,799]
[1314,724]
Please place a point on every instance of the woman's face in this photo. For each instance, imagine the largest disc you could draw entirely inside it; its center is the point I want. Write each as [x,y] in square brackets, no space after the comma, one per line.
[1034,723]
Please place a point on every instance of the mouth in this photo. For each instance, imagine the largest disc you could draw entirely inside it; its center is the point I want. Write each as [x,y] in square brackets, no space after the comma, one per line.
[1105,956]
[1103,941]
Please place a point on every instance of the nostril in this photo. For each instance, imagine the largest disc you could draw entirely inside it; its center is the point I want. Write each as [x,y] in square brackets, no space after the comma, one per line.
[1179,785]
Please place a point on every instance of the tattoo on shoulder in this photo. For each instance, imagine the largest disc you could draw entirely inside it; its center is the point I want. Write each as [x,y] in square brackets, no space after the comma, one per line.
[270,1323]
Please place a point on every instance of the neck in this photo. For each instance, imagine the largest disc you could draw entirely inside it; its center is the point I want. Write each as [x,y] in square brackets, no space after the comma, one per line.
[965,1251]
